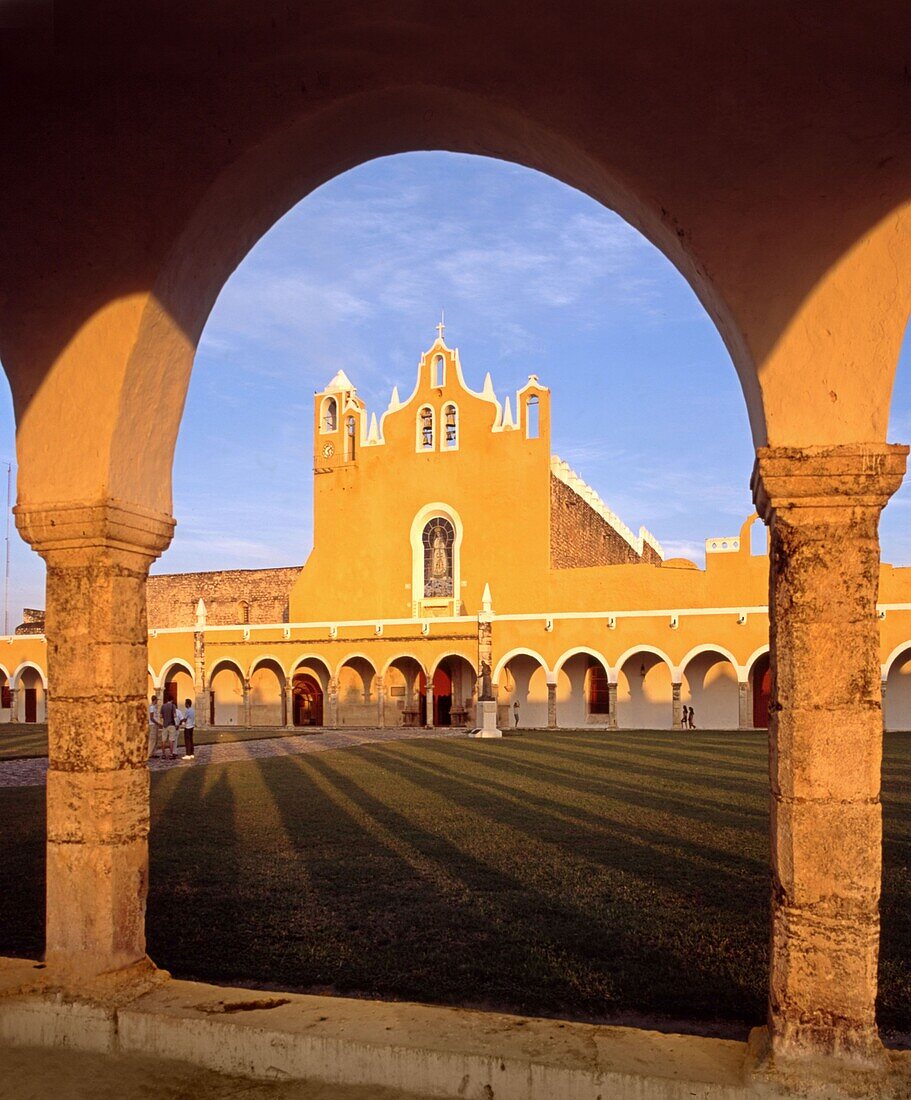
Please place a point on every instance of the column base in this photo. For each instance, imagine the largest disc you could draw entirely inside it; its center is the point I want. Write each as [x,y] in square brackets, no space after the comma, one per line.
[487,717]
[804,1065]
[111,988]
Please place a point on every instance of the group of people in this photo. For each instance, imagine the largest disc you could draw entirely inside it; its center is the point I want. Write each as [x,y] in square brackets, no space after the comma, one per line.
[688,721]
[165,726]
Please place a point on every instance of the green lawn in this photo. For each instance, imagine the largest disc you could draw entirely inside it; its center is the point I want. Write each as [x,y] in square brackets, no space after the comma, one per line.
[18,740]
[580,874]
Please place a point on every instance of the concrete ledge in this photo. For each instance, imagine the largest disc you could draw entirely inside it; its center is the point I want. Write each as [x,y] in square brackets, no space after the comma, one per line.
[426,1050]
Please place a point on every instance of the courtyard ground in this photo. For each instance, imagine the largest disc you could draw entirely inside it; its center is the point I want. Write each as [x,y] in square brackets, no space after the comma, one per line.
[617,876]
[19,740]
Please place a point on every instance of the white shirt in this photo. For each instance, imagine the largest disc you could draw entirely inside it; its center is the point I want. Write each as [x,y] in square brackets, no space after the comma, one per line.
[190,718]
[153,714]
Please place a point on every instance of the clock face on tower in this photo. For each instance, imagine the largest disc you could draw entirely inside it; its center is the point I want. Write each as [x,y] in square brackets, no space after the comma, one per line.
[328,450]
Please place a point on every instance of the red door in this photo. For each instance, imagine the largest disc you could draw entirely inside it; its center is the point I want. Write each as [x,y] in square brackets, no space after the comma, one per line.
[31,704]
[762,692]
[442,697]
[170,692]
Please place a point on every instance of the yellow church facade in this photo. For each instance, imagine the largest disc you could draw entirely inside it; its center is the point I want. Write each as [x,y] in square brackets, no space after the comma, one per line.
[456,558]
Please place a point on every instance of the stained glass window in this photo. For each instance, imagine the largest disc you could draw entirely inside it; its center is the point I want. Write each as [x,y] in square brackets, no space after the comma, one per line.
[438,538]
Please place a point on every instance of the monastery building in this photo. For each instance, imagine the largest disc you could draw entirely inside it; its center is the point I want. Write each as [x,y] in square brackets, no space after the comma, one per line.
[455,555]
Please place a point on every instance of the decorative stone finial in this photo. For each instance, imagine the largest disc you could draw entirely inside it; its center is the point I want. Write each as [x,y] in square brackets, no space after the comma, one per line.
[486,601]
[201,612]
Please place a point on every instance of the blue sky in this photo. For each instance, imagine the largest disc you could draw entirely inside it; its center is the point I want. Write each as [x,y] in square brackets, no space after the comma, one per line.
[534,278]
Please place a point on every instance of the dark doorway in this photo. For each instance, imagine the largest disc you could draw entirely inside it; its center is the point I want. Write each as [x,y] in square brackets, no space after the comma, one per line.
[307,695]
[31,704]
[762,691]
[442,697]
[170,692]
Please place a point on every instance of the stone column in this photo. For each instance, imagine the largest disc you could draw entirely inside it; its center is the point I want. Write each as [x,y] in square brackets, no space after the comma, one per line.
[611,706]
[825,737]
[428,709]
[676,707]
[14,703]
[98,557]
[551,706]
[200,679]
[288,696]
[744,705]
[248,705]
[332,703]
[380,700]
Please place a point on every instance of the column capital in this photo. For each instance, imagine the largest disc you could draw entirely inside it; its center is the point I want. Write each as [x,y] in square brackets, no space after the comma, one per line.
[93,526]
[850,475]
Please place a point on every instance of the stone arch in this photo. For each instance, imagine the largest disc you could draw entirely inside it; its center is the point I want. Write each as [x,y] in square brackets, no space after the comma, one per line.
[750,662]
[519,651]
[645,679]
[897,681]
[267,657]
[455,682]
[267,692]
[314,661]
[176,681]
[653,650]
[227,693]
[29,683]
[581,677]
[709,683]
[405,691]
[355,678]
[21,668]
[522,676]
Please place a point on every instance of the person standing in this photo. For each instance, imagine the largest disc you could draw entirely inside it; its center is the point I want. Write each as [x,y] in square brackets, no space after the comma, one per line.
[154,725]
[169,728]
[692,720]
[189,726]
[515,713]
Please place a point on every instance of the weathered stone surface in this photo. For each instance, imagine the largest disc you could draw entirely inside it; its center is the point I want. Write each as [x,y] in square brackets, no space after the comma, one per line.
[825,731]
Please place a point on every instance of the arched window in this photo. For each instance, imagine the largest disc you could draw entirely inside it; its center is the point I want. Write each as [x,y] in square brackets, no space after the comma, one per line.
[598,693]
[329,419]
[438,372]
[532,424]
[350,438]
[438,537]
[244,610]
[450,427]
[425,429]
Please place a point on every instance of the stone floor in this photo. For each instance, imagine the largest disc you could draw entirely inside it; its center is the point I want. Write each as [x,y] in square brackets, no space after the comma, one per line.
[28,1073]
[33,772]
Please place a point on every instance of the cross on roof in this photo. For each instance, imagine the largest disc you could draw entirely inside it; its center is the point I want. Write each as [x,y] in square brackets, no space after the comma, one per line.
[442,325]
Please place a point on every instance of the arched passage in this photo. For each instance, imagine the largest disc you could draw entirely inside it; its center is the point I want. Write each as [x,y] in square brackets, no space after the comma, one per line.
[267,693]
[897,700]
[30,694]
[454,691]
[356,697]
[582,693]
[709,686]
[761,689]
[226,694]
[644,691]
[522,692]
[404,685]
[309,685]
[176,681]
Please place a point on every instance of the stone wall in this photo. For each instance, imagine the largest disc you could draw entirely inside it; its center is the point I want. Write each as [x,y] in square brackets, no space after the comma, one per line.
[579,537]
[172,597]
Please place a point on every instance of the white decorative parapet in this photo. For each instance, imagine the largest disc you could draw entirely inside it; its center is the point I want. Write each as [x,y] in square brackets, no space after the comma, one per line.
[723,545]
[562,471]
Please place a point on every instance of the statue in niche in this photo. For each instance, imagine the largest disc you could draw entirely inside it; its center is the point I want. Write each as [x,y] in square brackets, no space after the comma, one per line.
[438,538]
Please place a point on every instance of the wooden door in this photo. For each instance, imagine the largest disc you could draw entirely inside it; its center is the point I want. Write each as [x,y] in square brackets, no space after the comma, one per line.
[31,704]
